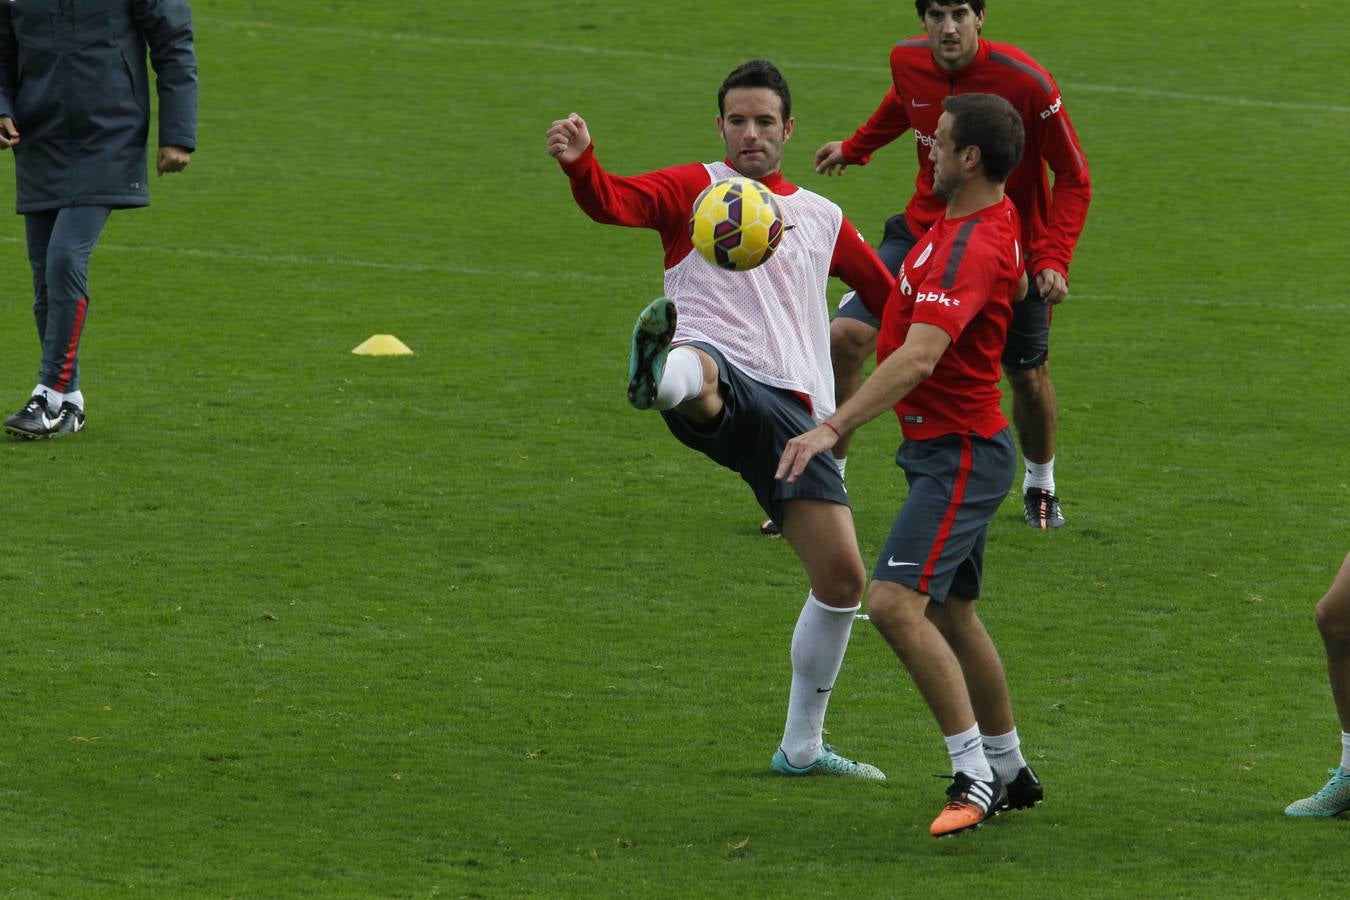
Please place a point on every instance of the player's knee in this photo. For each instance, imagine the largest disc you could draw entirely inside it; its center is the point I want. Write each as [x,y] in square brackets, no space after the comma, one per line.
[955,618]
[1029,379]
[1333,621]
[1031,384]
[890,607]
[844,588]
[63,264]
[939,615]
[848,347]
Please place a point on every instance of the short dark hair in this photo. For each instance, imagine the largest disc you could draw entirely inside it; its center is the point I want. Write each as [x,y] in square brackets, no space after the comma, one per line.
[976,6]
[989,122]
[757,73]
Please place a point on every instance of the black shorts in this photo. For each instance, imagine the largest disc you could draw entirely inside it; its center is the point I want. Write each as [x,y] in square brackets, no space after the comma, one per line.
[956,484]
[757,422]
[1028,343]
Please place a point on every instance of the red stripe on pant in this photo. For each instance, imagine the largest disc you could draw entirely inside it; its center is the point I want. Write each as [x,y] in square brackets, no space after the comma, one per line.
[73,348]
[949,518]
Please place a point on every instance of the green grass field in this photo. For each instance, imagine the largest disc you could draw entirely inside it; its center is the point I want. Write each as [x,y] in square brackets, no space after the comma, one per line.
[285,621]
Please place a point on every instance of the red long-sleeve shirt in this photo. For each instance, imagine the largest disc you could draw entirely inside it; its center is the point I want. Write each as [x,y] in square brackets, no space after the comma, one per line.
[663,200]
[1052,220]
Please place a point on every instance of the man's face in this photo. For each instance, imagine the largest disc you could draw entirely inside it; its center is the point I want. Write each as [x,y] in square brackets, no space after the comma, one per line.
[953,33]
[947,171]
[752,127]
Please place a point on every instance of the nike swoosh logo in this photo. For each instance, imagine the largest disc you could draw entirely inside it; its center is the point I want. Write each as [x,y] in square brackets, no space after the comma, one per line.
[1023,362]
[895,565]
[824,690]
[918,105]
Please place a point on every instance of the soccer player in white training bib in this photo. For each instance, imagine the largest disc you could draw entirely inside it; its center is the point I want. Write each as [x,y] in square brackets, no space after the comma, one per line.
[738,362]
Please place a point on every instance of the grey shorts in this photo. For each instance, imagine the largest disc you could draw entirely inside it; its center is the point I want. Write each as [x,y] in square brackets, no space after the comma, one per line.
[956,484]
[757,422]
[1028,335]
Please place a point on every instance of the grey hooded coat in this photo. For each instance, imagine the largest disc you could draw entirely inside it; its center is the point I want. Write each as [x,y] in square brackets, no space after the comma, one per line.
[73,78]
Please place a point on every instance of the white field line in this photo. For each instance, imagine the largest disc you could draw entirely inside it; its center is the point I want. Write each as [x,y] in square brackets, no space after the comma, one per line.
[288,259]
[1071,87]
[1216,99]
[564,277]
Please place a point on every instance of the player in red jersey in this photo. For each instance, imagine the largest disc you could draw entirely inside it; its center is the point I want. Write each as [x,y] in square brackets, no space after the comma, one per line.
[938,353]
[1333,621]
[952,58]
[745,364]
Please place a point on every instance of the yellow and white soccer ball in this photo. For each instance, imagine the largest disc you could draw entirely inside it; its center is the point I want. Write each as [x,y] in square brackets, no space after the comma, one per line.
[736,224]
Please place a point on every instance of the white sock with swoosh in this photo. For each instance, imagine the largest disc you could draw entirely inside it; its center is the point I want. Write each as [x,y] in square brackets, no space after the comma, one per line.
[818,645]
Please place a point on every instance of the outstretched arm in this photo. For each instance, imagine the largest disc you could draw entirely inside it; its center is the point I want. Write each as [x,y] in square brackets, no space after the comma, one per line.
[888,122]
[861,269]
[659,199]
[892,380]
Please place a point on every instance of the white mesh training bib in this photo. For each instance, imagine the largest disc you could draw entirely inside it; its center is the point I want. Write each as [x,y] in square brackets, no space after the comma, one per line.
[772,322]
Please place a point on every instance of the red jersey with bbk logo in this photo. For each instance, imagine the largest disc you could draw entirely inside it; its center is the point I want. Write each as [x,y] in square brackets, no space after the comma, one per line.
[961,276]
[1052,220]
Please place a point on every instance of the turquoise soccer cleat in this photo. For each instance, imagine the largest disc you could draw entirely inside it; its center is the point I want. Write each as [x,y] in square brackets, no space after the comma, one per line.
[1332,800]
[828,763]
[647,359]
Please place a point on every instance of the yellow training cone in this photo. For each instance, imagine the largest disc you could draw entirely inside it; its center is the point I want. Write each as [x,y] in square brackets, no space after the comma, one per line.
[382,345]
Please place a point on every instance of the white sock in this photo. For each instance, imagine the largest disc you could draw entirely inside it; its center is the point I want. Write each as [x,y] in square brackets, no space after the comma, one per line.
[1004,752]
[1039,475]
[818,645]
[681,379]
[53,397]
[76,399]
[967,753]
[1345,752]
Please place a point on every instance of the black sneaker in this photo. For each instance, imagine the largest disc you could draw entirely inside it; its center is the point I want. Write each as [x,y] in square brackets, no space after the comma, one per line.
[1023,792]
[33,420]
[69,419]
[1042,509]
[769,528]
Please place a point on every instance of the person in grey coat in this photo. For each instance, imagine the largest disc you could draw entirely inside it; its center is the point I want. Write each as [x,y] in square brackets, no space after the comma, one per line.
[75,109]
